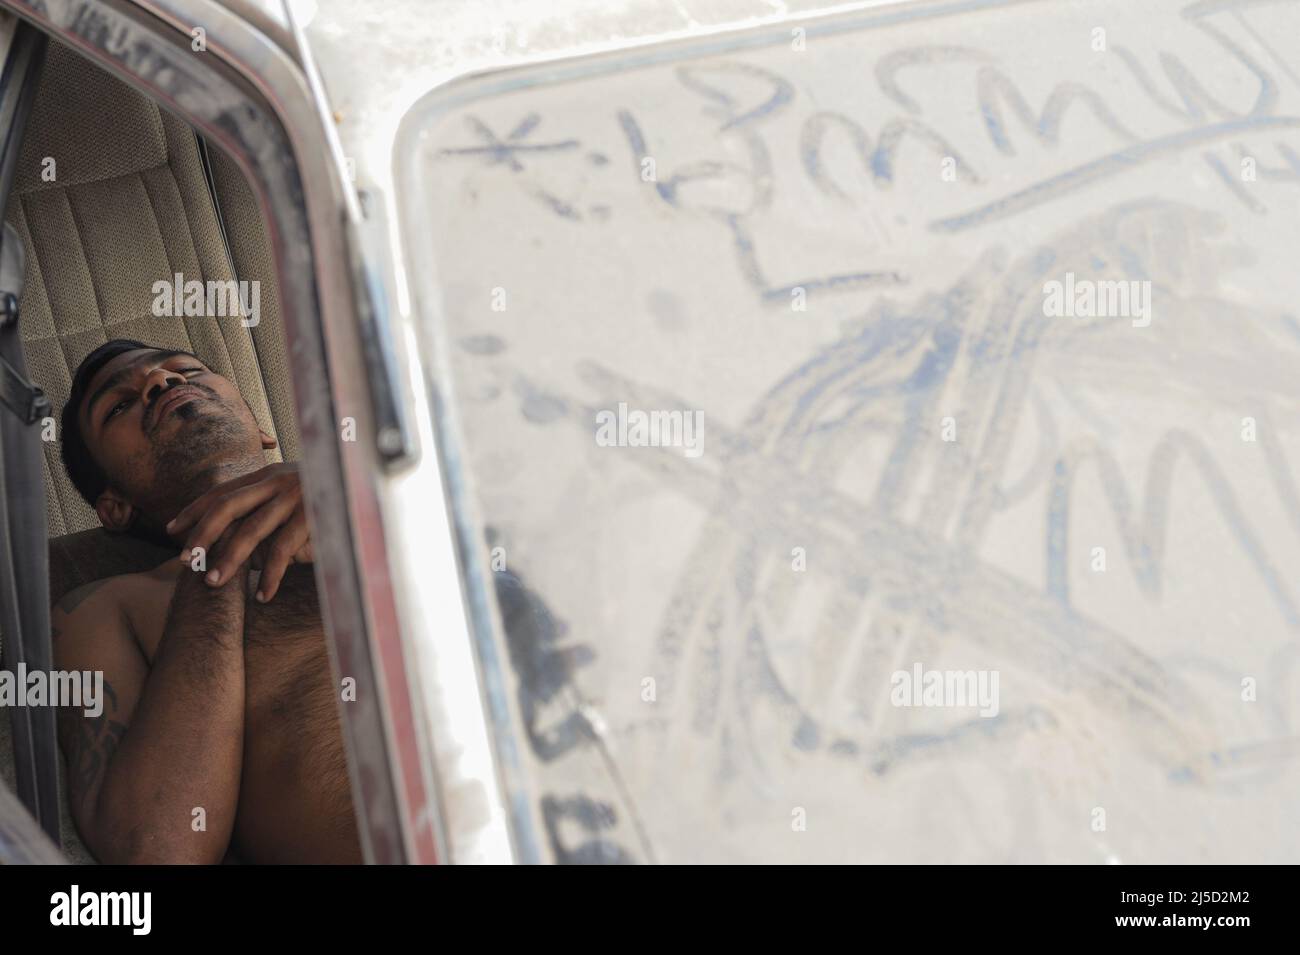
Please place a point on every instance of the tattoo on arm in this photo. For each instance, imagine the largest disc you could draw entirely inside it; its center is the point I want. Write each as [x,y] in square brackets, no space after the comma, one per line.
[93,744]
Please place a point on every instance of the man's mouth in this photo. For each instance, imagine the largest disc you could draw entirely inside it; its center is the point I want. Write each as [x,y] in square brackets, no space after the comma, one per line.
[172,400]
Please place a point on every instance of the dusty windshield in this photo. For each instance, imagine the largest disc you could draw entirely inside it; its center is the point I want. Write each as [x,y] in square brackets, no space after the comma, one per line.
[879,433]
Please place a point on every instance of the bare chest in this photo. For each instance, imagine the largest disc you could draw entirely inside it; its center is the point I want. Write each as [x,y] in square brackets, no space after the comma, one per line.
[284,647]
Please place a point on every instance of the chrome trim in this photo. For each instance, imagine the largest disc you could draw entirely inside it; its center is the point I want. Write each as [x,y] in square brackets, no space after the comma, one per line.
[392,433]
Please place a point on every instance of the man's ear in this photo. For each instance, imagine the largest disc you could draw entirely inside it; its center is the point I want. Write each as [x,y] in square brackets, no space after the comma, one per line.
[115,512]
[268,442]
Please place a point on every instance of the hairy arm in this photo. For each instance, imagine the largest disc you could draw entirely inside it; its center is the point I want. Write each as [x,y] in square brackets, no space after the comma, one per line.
[170,737]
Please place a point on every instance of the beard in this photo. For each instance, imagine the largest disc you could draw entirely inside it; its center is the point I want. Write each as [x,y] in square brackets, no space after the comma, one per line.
[209,442]
[204,440]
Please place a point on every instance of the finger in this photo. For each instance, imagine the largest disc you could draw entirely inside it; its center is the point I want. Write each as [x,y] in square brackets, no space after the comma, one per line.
[232,507]
[287,542]
[203,569]
[252,531]
[215,524]
[199,506]
[282,475]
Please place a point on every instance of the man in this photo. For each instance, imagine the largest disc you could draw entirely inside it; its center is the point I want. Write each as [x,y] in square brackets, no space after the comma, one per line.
[220,732]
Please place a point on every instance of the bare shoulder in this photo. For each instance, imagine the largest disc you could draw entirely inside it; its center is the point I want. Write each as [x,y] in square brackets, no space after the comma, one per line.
[111,598]
[96,595]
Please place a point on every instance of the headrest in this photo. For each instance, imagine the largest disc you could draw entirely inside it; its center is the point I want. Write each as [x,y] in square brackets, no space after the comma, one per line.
[114,132]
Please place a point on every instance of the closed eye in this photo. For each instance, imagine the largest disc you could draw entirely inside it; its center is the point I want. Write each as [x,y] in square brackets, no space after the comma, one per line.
[117,408]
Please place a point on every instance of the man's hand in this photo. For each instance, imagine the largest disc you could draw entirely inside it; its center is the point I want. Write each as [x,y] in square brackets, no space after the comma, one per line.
[271,525]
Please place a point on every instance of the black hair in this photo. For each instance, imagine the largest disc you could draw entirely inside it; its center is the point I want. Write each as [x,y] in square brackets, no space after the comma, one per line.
[87,476]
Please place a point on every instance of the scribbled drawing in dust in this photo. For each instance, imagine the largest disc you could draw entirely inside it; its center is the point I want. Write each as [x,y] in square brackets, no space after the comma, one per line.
[920,582]
[899,552]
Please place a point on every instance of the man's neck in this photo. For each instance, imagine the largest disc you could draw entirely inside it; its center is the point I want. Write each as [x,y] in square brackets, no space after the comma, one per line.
[220,473]
[204,480]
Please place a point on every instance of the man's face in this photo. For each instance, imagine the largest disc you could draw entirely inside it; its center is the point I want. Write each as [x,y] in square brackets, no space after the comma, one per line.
[158,422]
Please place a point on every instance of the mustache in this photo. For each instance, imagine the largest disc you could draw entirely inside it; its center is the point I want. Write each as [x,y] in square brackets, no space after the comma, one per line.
[148,416]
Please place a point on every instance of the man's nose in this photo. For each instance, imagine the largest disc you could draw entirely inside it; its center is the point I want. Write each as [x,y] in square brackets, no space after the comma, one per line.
[159,380]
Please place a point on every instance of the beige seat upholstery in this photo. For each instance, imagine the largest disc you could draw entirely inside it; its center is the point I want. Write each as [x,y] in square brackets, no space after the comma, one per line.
[128,205]
[250,248]
[110,197]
